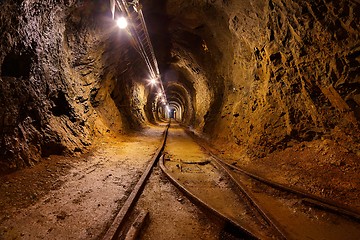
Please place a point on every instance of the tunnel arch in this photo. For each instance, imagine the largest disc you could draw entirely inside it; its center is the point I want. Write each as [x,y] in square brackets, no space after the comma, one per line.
[177,92]
[176,110]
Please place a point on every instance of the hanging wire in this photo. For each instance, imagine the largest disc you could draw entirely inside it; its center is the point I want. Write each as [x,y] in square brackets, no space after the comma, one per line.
[140,36]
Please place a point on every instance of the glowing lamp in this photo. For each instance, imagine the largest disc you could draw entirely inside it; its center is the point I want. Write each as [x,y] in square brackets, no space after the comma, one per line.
[122,22]
[152,81]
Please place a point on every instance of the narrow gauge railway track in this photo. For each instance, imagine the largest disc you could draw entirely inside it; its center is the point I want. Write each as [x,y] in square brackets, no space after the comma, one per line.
[308,198]
[195,173]
[288,207]
[125,223]
[291,212]
[248,208]
[122,227]
[221,201]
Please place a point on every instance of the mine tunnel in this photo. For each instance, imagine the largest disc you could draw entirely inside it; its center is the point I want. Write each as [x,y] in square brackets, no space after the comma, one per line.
[179,119]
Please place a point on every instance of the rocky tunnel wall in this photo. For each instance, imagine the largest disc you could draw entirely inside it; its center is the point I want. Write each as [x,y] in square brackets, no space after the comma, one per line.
[251,75]
[67,76]
[270,73]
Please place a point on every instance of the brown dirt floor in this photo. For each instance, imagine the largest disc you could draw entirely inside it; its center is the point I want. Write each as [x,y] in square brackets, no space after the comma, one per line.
[172,215]
[75,197]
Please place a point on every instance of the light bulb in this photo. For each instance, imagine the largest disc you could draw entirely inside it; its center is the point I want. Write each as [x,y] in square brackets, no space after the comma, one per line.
[122,22]
[153,81]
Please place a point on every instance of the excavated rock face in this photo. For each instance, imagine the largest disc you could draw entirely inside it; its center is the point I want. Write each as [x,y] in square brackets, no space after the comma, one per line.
[255,75]
[268,73]
[67,75]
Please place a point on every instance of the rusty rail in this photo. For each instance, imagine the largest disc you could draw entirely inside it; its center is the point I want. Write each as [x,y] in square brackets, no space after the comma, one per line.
[309,198]
[201,203]
[120,219]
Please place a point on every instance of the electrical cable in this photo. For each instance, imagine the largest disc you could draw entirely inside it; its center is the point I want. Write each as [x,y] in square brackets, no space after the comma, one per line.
[140,36]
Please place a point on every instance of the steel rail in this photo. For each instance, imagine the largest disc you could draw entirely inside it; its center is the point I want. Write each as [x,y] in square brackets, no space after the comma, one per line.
[120,219]
[309,198]
[203,204]
[265,214]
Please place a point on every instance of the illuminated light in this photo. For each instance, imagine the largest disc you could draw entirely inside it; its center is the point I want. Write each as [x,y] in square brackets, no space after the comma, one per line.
[122,22]
[160,94]
[153,81]
[167,108]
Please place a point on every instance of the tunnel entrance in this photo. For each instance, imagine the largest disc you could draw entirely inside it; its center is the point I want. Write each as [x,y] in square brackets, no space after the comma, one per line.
[172,113]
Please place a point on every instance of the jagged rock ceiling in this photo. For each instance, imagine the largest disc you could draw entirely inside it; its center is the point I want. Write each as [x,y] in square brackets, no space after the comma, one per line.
[251,75]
